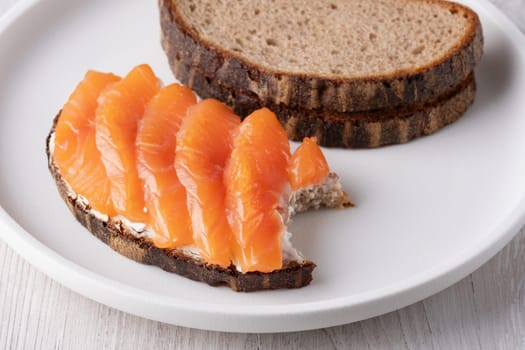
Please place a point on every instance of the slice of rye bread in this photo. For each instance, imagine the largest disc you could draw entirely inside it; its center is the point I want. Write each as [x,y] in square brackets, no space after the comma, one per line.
[337,56]
[353,129]
[126,241]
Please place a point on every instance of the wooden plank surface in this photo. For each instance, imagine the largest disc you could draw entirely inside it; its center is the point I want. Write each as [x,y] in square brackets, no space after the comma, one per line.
[486,310]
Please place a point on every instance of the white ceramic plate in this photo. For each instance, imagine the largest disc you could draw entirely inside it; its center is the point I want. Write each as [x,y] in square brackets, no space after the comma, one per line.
[428,213]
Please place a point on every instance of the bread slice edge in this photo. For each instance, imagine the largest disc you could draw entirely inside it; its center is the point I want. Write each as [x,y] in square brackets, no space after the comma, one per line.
[353,129]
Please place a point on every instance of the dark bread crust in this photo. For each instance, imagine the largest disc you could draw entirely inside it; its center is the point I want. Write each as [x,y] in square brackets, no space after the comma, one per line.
[352,130]
[120,239]
[189,54]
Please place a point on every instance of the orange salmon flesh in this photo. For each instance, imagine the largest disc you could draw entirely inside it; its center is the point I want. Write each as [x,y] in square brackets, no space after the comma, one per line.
[191,171]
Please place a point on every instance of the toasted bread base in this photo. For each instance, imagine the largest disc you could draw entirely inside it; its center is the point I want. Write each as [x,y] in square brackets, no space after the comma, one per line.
[352,130]
[126,242]
[190,55]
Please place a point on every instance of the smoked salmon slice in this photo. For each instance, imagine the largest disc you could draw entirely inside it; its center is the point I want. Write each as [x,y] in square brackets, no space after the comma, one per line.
[308,165]
[204,144]
[201,193]
[75,152]
[121,107]
[156,140]
[257,192]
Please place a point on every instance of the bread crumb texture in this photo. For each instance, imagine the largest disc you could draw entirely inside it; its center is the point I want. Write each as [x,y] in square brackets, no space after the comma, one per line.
[362,37]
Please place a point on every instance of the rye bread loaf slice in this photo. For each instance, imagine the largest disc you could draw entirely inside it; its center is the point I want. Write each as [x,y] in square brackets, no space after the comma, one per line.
[337,56]
[353,129]
[135,245]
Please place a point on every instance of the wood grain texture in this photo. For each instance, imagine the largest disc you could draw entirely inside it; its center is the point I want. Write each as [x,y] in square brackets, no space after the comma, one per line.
[486,310]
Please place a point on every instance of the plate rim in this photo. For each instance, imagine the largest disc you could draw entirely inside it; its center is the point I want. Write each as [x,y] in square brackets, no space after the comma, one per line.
[370,303]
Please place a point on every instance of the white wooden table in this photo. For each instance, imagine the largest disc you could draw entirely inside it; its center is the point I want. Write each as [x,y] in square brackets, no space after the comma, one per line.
[486,310]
